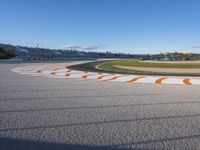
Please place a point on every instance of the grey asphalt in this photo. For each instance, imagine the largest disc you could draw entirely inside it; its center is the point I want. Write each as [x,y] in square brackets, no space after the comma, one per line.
[44,113]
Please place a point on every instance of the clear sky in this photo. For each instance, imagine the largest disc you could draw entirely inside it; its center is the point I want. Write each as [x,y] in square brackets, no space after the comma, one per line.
[134,26]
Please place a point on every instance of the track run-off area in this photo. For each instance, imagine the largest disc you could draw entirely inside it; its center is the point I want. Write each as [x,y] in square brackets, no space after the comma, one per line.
[61,70]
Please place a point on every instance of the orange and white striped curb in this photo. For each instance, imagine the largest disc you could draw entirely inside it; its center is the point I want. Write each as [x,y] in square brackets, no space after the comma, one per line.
[61,71]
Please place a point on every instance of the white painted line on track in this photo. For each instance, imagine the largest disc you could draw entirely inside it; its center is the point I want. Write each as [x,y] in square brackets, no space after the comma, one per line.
[148,79]
[195,82]
[173,81]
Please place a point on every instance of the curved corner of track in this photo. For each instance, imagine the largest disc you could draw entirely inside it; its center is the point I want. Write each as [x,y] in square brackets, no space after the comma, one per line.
[63,70]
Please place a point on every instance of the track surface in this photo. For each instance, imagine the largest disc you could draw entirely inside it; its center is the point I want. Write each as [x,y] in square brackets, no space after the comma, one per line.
[46,113]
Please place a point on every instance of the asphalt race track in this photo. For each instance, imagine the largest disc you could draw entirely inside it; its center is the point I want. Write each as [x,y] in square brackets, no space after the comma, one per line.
[38,112]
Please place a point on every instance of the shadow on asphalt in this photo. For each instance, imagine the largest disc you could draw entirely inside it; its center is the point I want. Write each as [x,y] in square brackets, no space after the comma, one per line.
[17,144]
[100,122]
[97,107]
[82,96]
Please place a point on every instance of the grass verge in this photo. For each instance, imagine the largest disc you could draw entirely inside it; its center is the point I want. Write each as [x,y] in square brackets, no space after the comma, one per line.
[109,66]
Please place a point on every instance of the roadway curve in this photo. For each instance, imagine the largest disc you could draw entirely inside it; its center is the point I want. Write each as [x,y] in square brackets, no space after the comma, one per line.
[82,70]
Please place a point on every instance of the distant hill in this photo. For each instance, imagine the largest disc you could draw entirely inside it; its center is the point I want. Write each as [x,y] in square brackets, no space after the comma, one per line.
[7,51]
[36,53]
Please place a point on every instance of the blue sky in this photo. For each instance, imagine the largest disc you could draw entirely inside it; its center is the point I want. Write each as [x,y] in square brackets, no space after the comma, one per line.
[131,26]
